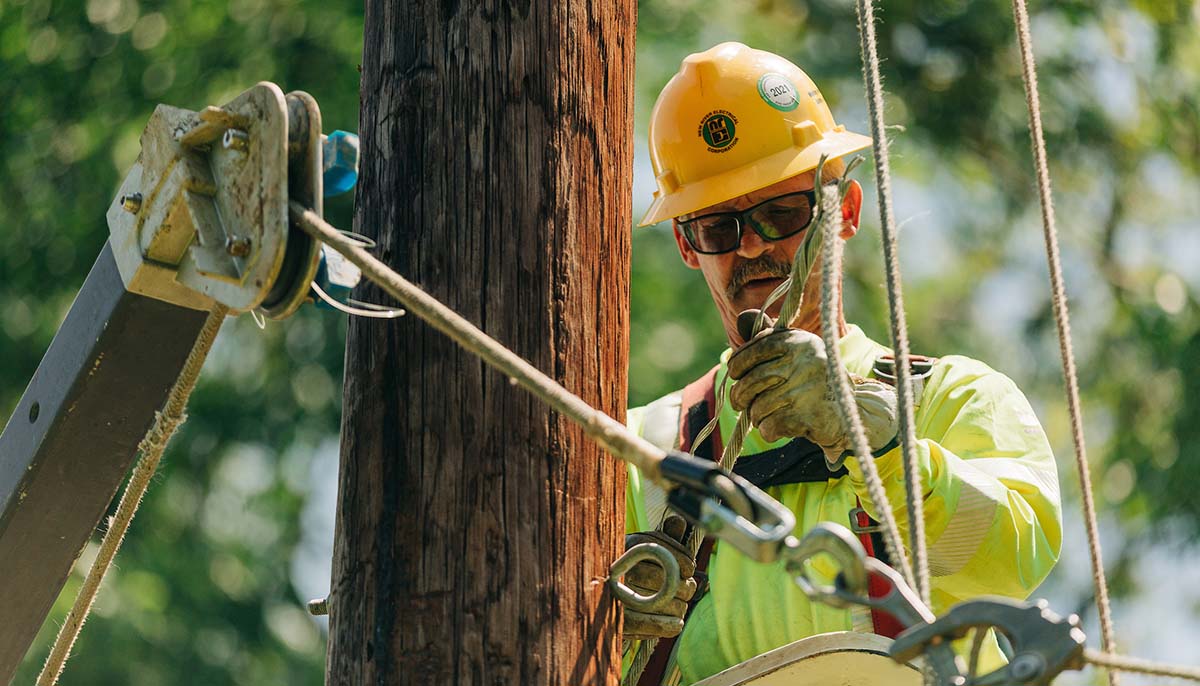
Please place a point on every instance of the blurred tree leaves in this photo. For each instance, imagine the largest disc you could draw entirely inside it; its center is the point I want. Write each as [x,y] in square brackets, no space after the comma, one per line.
[210,586]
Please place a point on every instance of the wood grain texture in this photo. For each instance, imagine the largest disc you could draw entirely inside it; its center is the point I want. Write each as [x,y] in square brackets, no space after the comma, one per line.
[473,525]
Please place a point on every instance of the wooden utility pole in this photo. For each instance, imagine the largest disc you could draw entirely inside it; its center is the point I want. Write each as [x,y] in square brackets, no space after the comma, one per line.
[473,526]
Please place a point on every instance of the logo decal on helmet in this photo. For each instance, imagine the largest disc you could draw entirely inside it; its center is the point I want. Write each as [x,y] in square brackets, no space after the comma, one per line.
[778,92]
[719,130]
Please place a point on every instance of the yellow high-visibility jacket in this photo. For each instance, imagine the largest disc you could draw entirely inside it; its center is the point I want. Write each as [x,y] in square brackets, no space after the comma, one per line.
[993,518]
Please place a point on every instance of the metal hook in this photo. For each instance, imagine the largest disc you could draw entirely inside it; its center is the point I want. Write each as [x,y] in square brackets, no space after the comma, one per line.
[851,589]
[644,552]
[358,308]
[753,522]
[846,551]
[366,242]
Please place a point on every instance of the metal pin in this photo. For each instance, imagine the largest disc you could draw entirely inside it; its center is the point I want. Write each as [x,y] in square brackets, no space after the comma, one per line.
[131,203]
[235,139]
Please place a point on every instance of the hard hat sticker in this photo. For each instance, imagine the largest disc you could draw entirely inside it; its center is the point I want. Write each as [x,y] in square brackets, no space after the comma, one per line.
[719,130]
[778,92]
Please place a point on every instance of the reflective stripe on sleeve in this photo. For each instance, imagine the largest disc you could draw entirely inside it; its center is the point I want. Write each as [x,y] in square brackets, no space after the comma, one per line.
[969,525]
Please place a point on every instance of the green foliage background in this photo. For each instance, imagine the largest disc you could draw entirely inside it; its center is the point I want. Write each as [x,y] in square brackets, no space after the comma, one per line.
[234,535]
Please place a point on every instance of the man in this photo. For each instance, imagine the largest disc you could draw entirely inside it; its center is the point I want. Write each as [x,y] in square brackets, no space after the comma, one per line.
[735,137]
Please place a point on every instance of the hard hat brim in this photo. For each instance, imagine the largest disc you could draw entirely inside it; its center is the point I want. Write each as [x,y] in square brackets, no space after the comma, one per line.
[698,195]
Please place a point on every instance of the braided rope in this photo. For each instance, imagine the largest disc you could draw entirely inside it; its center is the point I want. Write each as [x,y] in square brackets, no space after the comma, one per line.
[899,325]
[831,257]
[1133,664]
[1063,323]
[151,448]
[640,659]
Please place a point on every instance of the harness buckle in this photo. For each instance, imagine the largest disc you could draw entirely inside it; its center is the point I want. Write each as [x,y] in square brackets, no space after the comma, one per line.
[856,515]
[921,366]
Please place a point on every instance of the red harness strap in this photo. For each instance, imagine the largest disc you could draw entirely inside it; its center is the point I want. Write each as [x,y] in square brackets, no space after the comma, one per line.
[877,587]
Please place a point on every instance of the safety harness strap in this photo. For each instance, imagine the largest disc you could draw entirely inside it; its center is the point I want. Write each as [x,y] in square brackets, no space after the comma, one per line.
[877,587]
[698,404]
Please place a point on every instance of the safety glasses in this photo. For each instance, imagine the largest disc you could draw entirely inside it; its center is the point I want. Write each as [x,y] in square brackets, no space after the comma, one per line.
[773,220]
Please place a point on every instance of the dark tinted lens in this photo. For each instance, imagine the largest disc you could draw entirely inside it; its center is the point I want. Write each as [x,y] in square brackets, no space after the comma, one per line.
[783,216]
[715,233]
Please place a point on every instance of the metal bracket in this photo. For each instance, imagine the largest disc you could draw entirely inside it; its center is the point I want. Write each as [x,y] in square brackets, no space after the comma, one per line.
[202,217]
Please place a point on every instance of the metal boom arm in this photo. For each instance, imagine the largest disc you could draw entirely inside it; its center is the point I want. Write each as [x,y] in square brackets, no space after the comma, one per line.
[200,220]
[70,441]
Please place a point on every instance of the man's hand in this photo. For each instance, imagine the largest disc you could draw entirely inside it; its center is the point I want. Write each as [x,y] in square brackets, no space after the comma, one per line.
[646,578]
[781,380]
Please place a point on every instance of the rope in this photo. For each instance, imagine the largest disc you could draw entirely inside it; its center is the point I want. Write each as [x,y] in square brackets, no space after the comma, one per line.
[640,659]
[792,291]
[831,268]
[1062,321]
[899,326]
[612,436]
[1133,664]
[151,448]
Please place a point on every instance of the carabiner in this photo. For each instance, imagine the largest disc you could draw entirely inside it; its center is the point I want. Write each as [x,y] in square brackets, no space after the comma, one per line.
[838,543]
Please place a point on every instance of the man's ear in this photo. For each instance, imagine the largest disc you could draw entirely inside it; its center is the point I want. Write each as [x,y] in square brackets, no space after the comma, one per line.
[851,209]
[685,249]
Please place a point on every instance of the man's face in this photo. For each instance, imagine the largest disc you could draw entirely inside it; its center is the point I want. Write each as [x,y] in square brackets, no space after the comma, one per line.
[743,278]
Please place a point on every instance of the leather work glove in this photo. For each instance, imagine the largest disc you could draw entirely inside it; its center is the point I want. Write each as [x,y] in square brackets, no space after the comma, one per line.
[646,578]
[781,379]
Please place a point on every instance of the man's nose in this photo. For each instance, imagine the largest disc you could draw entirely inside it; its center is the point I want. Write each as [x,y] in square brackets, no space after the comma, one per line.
[752,244]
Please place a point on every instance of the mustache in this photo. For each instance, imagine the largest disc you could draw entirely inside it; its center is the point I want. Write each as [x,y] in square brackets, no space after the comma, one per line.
[762,266]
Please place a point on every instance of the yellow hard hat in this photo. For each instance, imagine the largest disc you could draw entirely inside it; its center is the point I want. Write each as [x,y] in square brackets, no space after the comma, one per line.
[734,120]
